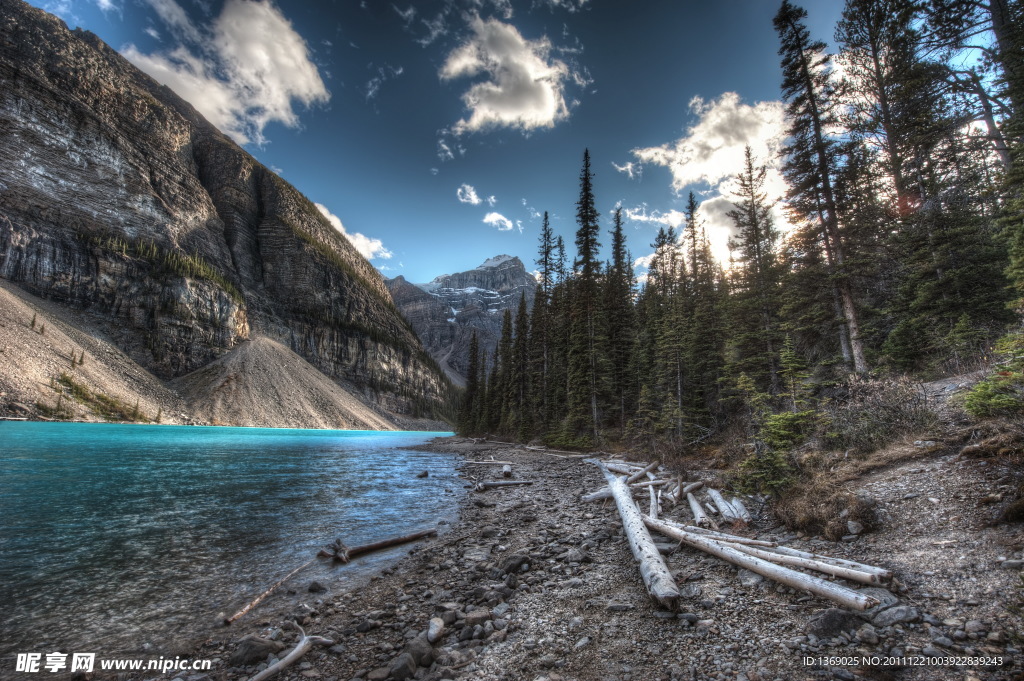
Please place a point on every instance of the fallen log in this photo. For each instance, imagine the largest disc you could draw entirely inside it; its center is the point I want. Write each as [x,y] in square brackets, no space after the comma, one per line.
[811,564]
[256,601]
[722,536]
[300,649]
[506,471]
[658,580]
[882,573]
[606,493]
[641,473]
[338,550]
[623,468]
[488,463]
[738,506]
[797,580]
[693,487]
[699,516]
[724,509]
[488,484]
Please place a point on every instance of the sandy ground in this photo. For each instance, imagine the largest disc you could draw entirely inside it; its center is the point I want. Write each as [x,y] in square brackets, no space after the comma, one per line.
[532,584]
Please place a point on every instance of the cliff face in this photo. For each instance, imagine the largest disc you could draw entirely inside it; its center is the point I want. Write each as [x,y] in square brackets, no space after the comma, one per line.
[117,196]
[447,311]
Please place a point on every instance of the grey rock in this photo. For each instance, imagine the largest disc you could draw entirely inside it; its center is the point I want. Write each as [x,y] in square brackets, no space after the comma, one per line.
[974,627]
[1013,564]
[691,591]
[435,629]
[854,527]
[867,634]
[252,650]
[832,622]
[316,587]
[749,579]
[885,598]
[896,615]
[402,667]
[477,617]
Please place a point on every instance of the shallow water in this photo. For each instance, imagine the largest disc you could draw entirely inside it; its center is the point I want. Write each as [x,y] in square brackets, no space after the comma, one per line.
[113,536]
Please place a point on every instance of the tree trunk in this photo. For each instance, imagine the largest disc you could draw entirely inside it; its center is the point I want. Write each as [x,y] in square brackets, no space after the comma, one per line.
[658,580]
[819,587]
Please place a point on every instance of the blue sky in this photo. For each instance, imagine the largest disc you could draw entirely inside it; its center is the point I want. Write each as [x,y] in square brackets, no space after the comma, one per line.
[435,133]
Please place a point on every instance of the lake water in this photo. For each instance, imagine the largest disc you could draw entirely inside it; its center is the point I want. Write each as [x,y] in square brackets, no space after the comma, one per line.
[113,536]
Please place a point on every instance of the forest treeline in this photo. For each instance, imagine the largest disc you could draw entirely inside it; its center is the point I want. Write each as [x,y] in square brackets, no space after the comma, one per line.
[904,166]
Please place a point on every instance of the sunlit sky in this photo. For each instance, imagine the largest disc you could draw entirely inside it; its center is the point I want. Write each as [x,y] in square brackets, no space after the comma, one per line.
[436,133]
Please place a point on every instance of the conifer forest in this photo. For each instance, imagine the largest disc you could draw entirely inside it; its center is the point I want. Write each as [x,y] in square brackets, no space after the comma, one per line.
[904,166]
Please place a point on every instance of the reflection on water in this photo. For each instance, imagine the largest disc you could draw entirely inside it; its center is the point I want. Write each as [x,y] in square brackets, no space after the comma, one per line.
[112,536]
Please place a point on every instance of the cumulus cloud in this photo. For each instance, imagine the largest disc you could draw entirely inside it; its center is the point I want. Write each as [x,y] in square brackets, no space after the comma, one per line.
[670,218]
[524,87]
[712,149]
[368,247]
[499,222]
[492,200]
[571,6]
[467,194]
[241,73]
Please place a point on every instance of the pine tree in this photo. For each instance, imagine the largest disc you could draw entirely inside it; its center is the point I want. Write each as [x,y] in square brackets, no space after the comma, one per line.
[812,159]
[619,290]
[541,330]
[468,415]
[520,422]
[756,281]
[583,400]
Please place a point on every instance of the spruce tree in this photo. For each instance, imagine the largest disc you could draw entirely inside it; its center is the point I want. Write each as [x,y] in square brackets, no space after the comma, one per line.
[619,291]
[811,160]
[584,361]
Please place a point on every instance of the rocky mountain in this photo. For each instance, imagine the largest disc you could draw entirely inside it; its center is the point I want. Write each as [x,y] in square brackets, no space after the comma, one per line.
[447,311]
[118,197]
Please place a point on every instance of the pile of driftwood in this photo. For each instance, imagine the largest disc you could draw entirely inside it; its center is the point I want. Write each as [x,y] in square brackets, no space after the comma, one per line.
[763,557]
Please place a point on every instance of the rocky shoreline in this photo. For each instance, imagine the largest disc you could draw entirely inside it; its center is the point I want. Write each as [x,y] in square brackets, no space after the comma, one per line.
[532,584]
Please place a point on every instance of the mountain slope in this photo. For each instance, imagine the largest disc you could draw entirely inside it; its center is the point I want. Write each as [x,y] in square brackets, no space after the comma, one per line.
[447,311]
[117,196]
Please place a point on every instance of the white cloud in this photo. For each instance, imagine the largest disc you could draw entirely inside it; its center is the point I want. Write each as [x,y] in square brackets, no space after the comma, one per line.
[384,73]
[712,149]
[524,88]
[407,15]
[242,73]
[492,200]
[107,5]
[152,33]
[369,248]
[499,221]
[635,171]
[671,218]
[467,194]
[570,5]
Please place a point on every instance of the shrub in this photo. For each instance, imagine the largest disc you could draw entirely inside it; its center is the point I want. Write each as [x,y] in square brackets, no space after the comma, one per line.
[1001,393]
[874,412]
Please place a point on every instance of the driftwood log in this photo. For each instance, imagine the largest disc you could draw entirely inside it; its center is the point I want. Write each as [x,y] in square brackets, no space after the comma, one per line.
[300,649]
[658,580]
[722,536]
[881,573]
[699,516]
[724,509]
[741,509]
[812,564]
[506,471]
[488,484]
[797,580]
[338,551]
[642,472]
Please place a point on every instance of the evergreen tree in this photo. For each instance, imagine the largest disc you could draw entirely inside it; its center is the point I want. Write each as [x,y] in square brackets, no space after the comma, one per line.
[520,421]
[584,361]
[756,281]
[811,160]
[620,288]
[469,414]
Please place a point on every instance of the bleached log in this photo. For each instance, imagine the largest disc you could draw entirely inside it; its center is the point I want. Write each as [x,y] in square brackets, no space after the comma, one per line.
[654,502]
[488,484]
[811,564]
[741,510]
[506,471]
[699,516]
[724,509]
[641,473]
[300,649]
[693,487]
[606,493]
[797,580]
[488,463]
[881,573]
[658,580]
[721,536]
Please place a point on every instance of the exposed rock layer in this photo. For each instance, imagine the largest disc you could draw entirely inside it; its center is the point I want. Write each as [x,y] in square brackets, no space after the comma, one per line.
[447,312]
[117,196]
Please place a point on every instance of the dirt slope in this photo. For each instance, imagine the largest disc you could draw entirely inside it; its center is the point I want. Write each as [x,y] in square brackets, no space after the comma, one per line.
[262,381]
[259,383]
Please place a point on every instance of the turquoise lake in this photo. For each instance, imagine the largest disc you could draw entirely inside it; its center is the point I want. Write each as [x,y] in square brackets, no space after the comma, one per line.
[117,536]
